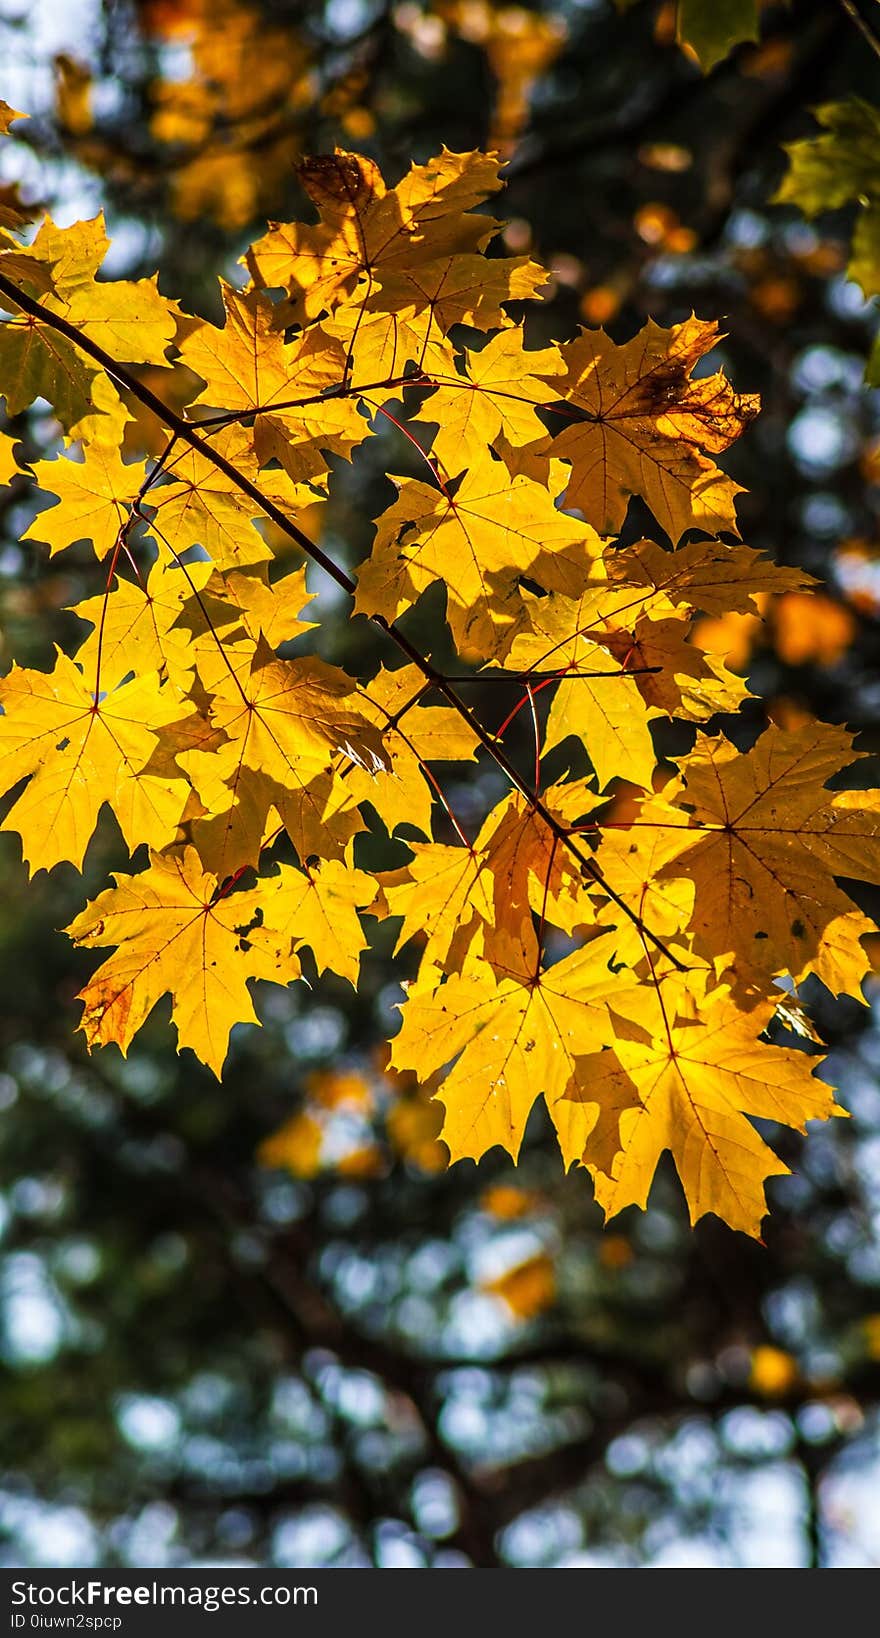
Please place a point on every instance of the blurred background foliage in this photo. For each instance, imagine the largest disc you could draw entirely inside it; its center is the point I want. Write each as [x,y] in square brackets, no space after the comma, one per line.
[259,1323]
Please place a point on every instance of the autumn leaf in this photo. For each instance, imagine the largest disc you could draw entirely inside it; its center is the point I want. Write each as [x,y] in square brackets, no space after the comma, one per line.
[642,425]
[7,116]
[513,1040]
[442,896]
[37,362]
[414,735]
[711,28]
[129,319]
[320,907]
[366,229]
[78,753]
[477,542]
[498,394]
[134,628]
[764,844]
[698,1072]
[95,497]
[288,387]
[707,575]
[174,935]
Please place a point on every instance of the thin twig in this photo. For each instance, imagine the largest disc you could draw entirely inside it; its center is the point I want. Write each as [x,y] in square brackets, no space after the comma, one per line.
[864,27]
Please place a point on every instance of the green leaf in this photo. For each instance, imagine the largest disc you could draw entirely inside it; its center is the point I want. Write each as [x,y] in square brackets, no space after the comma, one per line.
[713,27]
[864,263]
[828,171]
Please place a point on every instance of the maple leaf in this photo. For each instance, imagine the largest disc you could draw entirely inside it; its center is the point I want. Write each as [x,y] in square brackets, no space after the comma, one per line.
[284,721]
[289,712]
[513,1039]
[674,675]
[247,607]
[705,574]
[531,873]
[320,907]
[248,367]
[497,394]
[135,627]
[382,347]
[78,753]
[95,497]
[443,896]
[130,319]
[711,29]
[9,466]
[366,228]
[461,289]
[589,641]
[631,860]
[197,504]
[7,116]
[37,362]
[645,427]
[698,1072]
[764,842]
[174,935]
[478,542]
[838,166]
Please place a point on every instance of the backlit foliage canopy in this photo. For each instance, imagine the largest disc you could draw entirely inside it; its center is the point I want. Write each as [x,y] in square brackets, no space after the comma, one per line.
[624,931]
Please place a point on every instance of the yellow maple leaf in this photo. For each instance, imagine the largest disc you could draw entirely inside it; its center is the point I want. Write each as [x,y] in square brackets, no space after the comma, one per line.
[460,289]
[366,229]
[442,896]
[644,426]
[707,575]
[282,715]
[248,367]
[600,699]
[78,753]
[381,345]
[128,318]
[95,497]
[631,858]
[414,735]
[175,935]
[498,393]
[37,362]
[320,907]
[698,1071]
[530,873]
[9,466]
[135,627]
[285,722]
[513,1039]
[764,842]
[197,504]
[477,542]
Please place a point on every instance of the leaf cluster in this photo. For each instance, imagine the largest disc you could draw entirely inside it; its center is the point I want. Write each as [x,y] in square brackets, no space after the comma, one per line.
[615,938]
